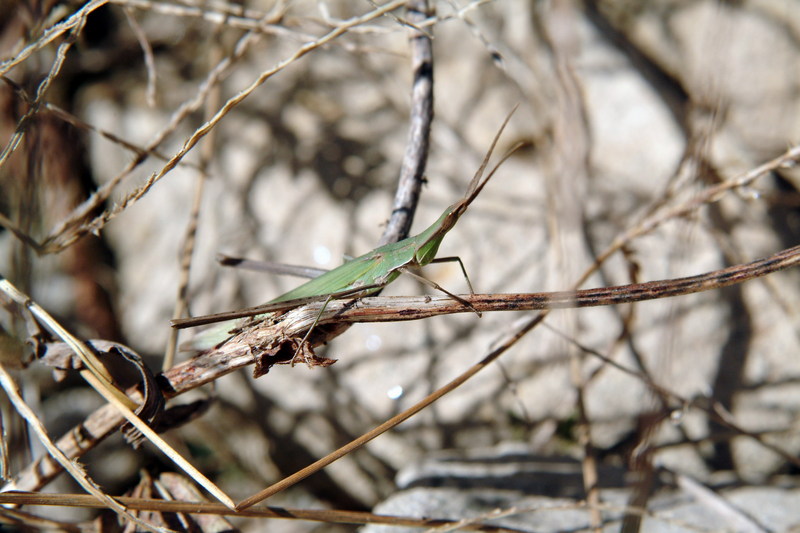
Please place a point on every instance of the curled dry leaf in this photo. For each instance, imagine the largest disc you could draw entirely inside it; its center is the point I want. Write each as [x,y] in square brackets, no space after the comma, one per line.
[63,359]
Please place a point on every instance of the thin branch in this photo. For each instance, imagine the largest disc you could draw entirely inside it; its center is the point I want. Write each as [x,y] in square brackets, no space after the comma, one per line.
[382,309]
[413,167]
[77,19]
[233,16]
[190,236]
[147,51]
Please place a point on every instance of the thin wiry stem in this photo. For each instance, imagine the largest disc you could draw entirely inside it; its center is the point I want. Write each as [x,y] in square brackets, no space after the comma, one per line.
[416,156]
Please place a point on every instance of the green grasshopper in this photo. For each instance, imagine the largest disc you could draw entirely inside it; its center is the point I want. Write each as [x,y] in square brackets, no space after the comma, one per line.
[369,273]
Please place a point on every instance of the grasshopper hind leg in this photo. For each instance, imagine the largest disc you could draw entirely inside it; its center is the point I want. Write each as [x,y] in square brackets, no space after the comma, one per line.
[438,287]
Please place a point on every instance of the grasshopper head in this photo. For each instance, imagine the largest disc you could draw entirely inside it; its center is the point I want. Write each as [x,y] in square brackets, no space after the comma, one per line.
[431,238]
